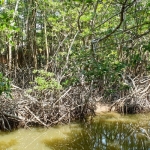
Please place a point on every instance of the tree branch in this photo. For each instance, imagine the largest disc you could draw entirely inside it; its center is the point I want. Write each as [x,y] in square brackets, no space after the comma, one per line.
[123,9]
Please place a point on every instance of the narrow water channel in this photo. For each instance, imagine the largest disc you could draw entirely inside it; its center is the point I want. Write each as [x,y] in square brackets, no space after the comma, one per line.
[107,131]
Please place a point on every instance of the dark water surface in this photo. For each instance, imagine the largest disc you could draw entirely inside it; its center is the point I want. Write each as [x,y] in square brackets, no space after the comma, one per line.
[107,131]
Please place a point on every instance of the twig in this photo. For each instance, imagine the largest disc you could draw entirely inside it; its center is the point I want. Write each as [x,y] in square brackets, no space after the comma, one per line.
[35,116]
[62,96]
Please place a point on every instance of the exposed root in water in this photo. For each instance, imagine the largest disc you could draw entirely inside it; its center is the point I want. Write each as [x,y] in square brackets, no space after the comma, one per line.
[138,99]
[48,108]
[44,109]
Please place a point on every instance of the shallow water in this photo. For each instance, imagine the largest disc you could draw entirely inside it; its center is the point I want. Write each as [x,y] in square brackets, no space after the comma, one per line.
[107,131]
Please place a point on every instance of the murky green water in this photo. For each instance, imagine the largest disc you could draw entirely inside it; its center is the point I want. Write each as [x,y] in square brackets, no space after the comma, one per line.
[108,131]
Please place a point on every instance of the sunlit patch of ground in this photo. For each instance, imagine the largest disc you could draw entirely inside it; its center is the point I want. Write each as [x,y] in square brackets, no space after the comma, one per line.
[101,108]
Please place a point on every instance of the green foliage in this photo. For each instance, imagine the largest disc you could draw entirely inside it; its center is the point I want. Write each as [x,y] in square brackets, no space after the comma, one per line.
[147,47]
[45,81]
[86,1]
[4,85]
[63,34]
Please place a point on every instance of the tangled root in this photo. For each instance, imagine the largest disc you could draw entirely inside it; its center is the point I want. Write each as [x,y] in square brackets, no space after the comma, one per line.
[138,100]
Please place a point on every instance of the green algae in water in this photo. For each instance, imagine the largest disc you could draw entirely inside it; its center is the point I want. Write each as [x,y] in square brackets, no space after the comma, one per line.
[5,145]
[107,132]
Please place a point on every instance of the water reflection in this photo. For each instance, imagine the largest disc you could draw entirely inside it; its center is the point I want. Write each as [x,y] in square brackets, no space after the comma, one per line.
[106,133]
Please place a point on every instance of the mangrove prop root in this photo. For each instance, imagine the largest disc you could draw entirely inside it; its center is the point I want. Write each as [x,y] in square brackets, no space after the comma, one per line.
[44,108]
[138,99]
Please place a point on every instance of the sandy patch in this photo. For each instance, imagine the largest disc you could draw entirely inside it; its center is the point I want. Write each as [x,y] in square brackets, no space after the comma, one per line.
[102,108]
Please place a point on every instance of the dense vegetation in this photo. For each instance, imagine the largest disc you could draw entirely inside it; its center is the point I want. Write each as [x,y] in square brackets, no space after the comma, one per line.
[71,52]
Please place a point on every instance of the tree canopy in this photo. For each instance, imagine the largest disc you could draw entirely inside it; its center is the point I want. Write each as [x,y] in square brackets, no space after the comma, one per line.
[79,41]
